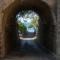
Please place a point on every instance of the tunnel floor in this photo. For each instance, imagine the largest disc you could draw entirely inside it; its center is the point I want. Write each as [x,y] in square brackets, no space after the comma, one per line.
[35,54]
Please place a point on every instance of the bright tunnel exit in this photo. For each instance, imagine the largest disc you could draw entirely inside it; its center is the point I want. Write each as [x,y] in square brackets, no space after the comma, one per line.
[27,23]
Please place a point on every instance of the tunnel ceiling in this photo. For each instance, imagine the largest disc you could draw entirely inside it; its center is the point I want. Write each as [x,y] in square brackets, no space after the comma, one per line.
[11,10]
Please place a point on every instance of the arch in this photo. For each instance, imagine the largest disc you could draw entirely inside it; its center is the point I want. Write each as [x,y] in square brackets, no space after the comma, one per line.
[46,23]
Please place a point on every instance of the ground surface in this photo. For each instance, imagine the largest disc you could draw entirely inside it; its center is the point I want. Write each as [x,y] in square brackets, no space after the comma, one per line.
[30,55]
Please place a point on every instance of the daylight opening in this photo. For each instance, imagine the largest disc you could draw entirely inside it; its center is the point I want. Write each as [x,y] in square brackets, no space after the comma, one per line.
[27,25]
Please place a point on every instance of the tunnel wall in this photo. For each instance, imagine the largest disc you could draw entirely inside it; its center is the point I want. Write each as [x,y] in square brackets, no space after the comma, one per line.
[9,12]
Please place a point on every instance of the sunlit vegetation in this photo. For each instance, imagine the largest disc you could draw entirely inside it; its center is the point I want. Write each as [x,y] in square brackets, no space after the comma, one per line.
[21,27]
[27,22]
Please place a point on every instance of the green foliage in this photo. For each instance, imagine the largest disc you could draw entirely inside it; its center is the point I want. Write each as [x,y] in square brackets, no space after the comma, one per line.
[28,15]
[30,26]
[21,27]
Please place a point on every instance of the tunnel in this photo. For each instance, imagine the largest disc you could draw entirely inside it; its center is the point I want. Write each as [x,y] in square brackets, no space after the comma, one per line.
[46,28]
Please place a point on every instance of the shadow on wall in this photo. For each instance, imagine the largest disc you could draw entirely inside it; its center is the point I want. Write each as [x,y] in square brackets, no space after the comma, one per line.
[46,25]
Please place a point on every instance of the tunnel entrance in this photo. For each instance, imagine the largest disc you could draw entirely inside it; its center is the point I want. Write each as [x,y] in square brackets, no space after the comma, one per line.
[27,26]
[46,30]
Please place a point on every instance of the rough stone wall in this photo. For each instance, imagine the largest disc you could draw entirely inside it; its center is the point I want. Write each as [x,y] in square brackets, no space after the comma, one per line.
[58,28]
[1,36]
[50,2]
[3,5]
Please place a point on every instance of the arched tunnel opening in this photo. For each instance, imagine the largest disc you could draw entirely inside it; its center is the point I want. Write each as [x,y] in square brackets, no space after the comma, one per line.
[46,28]
[27,28]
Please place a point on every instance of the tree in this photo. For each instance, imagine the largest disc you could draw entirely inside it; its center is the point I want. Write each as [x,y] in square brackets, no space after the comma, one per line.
[34,22]
[21,27]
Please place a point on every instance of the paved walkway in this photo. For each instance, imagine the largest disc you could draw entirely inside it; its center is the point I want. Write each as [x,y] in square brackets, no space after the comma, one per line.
[30,56]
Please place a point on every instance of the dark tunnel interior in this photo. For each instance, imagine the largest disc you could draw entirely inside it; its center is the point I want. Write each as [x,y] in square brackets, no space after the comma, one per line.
[46,27]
